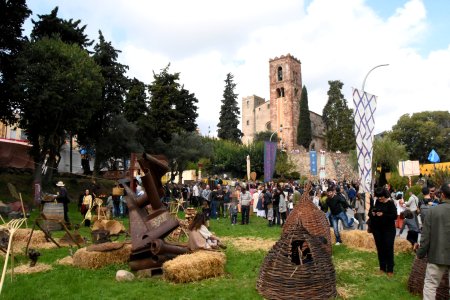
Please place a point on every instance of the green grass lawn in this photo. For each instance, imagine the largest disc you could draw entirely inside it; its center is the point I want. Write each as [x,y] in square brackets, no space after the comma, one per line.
[356,273]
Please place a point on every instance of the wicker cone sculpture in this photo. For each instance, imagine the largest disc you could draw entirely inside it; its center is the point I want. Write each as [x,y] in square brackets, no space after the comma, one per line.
[417,277]
[312,218]
[297,267]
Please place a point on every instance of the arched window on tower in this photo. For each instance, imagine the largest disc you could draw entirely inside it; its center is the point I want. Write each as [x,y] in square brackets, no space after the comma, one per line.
[278,93]
[280,73]
[268,127]
[282,92]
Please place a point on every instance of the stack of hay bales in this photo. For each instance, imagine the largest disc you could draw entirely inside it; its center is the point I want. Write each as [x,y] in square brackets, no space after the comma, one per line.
[362,240]
[86,259]
[195,266]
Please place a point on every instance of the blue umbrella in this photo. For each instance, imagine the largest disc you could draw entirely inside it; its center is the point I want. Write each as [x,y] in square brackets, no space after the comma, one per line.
[433,157]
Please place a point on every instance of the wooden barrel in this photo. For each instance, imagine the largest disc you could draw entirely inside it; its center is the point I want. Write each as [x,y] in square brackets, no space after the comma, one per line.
[53,211]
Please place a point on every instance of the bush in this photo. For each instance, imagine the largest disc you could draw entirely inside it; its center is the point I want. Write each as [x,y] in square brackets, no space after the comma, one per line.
[398,182]
[295,175]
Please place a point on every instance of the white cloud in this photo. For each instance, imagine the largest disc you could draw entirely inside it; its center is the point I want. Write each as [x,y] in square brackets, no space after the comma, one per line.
[334,40]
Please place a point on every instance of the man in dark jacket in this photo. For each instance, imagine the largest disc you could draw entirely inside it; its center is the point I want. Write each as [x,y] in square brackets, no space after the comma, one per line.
[435,243]
[337,206]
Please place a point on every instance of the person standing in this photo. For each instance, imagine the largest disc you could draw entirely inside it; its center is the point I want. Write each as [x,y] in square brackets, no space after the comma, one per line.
[63,198]
[86,207]
[245,200]
[195,195]
[435,244]
[337,205]
[360,210]
[382,223]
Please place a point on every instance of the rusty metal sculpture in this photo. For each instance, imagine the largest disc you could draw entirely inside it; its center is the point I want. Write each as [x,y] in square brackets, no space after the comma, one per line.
[148,230]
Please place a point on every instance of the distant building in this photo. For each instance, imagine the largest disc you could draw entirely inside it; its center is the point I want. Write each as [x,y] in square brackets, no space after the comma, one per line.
[283,107]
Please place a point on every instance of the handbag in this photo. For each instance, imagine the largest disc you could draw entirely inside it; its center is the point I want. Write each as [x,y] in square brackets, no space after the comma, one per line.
[369,226]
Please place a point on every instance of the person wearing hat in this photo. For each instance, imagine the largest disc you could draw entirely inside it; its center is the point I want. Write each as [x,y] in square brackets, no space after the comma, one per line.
[63,198]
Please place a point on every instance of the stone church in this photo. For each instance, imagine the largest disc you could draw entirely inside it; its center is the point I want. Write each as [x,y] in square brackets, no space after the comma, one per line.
[282,109]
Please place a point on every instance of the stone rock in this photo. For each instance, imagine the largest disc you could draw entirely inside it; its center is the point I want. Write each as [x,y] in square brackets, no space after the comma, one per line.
[123,275]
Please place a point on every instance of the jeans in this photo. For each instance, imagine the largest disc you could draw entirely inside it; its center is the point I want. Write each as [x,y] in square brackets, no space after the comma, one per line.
[335,220]
[245,209]
[213,209]
[360,218]
[433,277]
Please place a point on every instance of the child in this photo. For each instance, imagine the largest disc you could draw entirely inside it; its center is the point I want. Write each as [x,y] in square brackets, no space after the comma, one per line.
[413,230]
[270,214]
[234,212]
[207,212]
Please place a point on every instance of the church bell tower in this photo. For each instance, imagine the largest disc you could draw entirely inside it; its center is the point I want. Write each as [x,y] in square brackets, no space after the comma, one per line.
[285,91]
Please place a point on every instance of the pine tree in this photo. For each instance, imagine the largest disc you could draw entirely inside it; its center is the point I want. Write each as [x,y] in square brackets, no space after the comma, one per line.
[12,17]
[338,120]
[304,137]
[229,113]
[136,99]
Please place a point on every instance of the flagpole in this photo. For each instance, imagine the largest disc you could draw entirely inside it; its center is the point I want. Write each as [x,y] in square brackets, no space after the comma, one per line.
[364,81]
[367,194]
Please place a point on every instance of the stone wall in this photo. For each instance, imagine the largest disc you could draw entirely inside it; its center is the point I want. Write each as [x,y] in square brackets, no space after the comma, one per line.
[337,165]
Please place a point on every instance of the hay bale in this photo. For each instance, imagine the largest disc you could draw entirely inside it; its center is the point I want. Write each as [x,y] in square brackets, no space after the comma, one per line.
[195,266]
[245,244]
[23,234]
[26,269]
[66,261]
[362,240]
[95,260]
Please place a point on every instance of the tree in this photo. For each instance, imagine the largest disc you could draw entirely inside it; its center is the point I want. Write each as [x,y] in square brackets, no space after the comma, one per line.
[229,113]
[386,154]
[304,137]
[182,149]
[118,141]
[12,17]
[113,94]
[59,89]
[52,26]
[136,99]
[422,132]
[284,165]
[172,108]
[338,120]
[265,136]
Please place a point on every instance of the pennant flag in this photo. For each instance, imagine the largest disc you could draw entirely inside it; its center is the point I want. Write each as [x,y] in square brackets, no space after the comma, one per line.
[313,162]
[322,172]
[270,155]
[433,157]
[365,105]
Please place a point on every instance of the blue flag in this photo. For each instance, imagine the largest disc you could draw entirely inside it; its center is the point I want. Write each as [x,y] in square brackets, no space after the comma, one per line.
[433,157]
[313,162]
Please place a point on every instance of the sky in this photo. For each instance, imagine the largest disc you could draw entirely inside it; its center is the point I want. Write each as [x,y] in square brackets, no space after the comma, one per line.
[342,40]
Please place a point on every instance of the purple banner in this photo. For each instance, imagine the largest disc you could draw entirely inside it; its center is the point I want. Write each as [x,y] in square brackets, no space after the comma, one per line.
[270,155]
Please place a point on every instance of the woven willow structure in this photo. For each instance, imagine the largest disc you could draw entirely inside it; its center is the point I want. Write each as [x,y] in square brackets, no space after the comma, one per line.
[297,267]
[417,277]
[312,218]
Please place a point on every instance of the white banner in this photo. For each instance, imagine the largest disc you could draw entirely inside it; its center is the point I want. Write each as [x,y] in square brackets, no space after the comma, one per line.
[365,106]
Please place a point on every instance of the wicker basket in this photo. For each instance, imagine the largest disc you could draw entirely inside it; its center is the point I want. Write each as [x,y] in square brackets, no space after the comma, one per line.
[285,275]
[312,218]
[417,277]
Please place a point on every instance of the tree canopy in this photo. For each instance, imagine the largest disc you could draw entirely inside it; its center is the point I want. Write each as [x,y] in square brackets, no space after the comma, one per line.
[173,109]
[338,118]
[59,88]
[52,26]
[304,137]
[229,113]
[12,17]
[421,132]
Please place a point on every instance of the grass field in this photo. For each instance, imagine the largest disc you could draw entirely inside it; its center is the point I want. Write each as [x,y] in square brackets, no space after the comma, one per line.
[356,272]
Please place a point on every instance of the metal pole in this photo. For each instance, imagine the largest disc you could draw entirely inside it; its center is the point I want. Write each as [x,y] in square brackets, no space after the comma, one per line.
[364,82]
